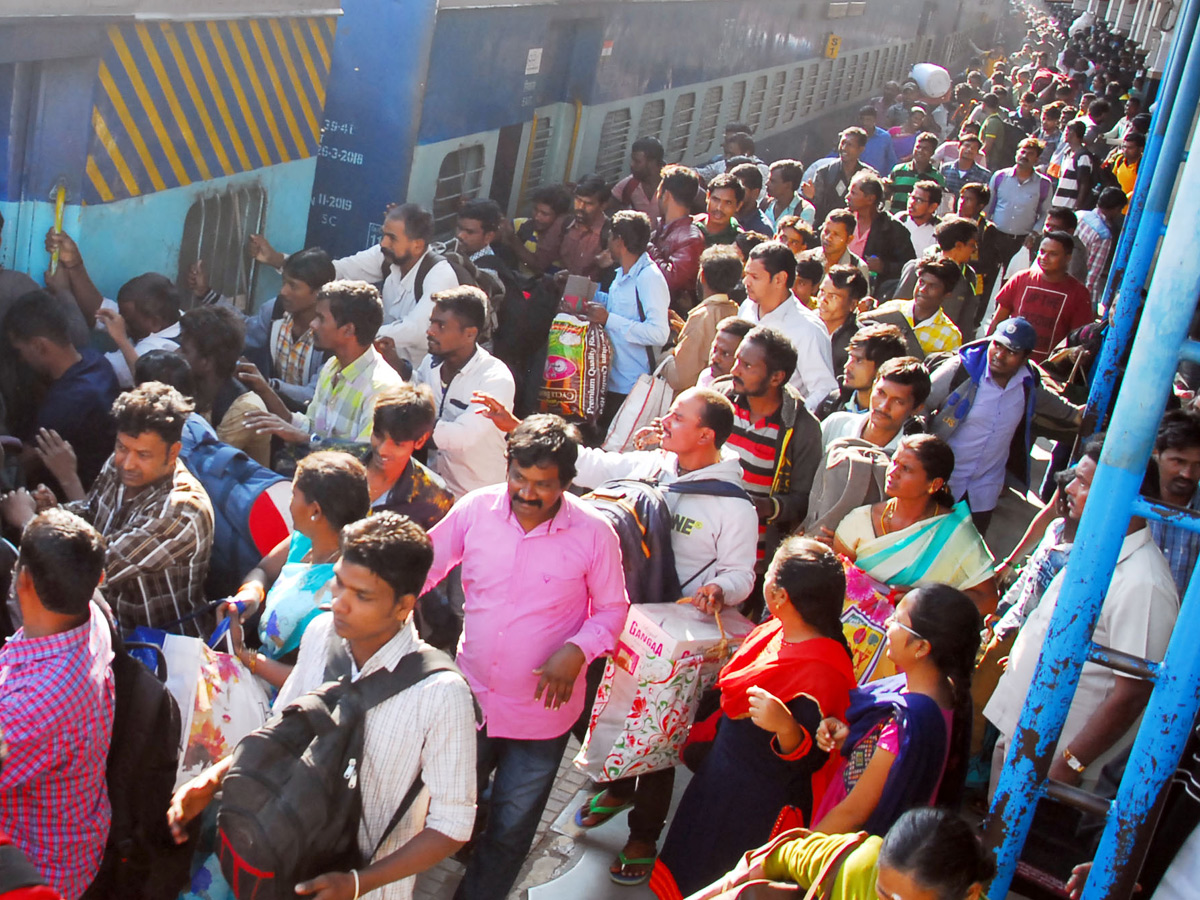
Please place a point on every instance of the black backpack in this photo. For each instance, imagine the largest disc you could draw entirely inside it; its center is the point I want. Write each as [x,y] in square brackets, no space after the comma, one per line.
[638,511]
[467,273]
[141,861]
[291,802]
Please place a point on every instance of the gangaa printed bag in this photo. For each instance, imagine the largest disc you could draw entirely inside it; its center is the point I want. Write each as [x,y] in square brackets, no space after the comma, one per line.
[646,704]
[578,358]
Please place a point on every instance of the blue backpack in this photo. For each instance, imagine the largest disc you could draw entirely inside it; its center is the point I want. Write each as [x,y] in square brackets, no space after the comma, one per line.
[250,506]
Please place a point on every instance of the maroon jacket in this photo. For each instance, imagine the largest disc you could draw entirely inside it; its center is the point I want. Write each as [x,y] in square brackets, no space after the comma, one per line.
[676,248]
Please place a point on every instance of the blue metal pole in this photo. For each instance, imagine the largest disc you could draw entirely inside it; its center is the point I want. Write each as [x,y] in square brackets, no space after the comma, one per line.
[1179,90]
[1173,291]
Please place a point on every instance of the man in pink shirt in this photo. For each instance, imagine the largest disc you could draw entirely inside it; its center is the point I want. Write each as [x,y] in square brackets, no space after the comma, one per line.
[544,596]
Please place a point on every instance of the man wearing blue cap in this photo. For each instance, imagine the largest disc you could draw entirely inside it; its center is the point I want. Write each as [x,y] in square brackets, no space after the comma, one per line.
[982,404]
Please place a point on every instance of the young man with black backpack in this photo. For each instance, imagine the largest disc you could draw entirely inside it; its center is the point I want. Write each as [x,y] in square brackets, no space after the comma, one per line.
[412,769]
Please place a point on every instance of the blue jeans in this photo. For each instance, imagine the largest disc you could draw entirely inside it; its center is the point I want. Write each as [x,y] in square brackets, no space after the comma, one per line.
[524,775]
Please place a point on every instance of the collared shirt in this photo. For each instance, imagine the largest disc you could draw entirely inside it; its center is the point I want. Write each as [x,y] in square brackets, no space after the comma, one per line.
[806,211]
[419,494]
[166,339]
[631,331]
[851,424]
[405,315]
[934,334]
[343,405]
[57,696]
[468,449]
[676,247]
[904,178]
[1180,546]
[752,219]
[291,354]
[1137,617]
[580,247]
[847,258]
[1018,207]
[726,235]
[813,377]
[981,442]
[426,730]
[526,595]
[955,177]
[755,443]
[1096,236]
[880,152]
[159,543]
[631,193]
[921,235]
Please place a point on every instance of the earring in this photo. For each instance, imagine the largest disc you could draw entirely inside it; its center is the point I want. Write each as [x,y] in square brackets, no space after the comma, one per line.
[313,517]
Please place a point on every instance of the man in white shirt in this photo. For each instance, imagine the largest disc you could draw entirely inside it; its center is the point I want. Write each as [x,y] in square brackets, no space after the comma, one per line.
[144,318]
[426,731]
[768,277]
[466,450]
[1137,617]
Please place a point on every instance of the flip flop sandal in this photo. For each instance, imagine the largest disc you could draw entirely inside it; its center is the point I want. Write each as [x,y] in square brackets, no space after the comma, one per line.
[592,809]
[632,880]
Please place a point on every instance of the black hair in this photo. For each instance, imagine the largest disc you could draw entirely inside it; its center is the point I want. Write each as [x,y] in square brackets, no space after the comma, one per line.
[717,414]
[1136,138]
[651,147]
[544,440]
[555,196]
[743,141]
[64,555]
[313,266]
[155,407]
[801,228]
[932,188]
[849,278]
[466,303]
[37,314]
[405,413]
[337,482]
[681,183]
[982,192]
[945,270]
[880,343]
[633,228]
[168,367]
[935,457]
[991,101]
[810,270]
[868,110]
[1063,238]
[954,230]
[779,353]
[748,174]
[745,241]
[722,268]
[815,583]
[1078,128]
[485,211]
[859,136]
[1099,107]
[217,332]
[845,218]
[417,222]
[739,328]
[152,295]
[593,186]
[776,257]
[950,621]
[870,184]
[938,850]
[789,170]
[356,303]
[1065,215]
[726,181]
[392,547]
[928,137]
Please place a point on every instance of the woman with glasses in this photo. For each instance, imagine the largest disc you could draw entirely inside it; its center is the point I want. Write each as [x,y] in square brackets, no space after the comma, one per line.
[917,536]
[906,738]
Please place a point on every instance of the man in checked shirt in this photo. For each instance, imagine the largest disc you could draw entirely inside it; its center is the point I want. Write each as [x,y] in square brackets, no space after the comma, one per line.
[155,517]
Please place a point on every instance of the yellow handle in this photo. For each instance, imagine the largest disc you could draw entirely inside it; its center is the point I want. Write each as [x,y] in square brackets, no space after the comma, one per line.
[60,199]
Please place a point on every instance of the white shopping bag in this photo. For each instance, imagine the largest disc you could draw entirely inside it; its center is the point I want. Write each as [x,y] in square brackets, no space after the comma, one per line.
[646,704]
[649,399]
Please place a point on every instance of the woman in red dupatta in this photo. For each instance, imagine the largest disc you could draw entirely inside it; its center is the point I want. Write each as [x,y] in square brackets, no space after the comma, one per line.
[792,670]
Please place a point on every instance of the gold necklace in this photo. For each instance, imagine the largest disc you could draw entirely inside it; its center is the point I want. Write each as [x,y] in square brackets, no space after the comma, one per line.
[889,510]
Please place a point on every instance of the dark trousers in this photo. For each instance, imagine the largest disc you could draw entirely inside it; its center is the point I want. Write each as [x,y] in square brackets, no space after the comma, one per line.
[612,403]
[1007,246]
[982,520]
[651,796]
[524,774]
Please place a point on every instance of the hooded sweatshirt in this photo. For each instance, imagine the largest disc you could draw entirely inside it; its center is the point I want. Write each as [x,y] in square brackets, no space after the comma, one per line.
[714,538]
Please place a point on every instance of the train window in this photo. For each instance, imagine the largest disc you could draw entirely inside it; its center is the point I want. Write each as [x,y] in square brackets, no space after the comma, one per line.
[681,127]
[861,82]
[840,82]
[837,10]
[460,178]
[758,95]
[812,81]
[856,9]
[775,104]
[736,95]
[792,103]
[614,136]
[535,165]
[651,122]
[215,231]
[710,114]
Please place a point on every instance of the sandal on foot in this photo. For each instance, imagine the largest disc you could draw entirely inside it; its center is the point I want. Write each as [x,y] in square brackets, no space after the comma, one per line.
[632,880]
[604,813]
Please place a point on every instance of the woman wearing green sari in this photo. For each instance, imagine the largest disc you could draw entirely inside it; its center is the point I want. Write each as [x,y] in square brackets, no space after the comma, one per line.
[917,536]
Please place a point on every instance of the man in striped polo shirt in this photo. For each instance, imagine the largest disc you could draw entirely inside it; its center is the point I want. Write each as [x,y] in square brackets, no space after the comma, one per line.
[777,439]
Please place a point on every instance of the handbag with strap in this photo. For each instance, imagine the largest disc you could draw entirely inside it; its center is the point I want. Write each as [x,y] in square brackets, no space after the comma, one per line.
[648,399]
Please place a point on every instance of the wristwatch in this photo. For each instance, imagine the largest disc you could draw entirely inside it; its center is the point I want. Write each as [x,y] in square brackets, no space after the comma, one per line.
[1073,762]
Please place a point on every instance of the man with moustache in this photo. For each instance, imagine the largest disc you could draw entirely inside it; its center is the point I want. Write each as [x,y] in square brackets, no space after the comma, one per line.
[1177,464]
[900,388]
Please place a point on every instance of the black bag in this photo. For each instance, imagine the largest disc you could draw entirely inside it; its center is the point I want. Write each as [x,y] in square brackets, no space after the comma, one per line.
[467,274]
[141,860]
[291,803]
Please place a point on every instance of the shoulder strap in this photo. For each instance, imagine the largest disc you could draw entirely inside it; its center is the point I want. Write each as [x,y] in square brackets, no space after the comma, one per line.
[711,487]
[642,318]
[627,192]
[428,261]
